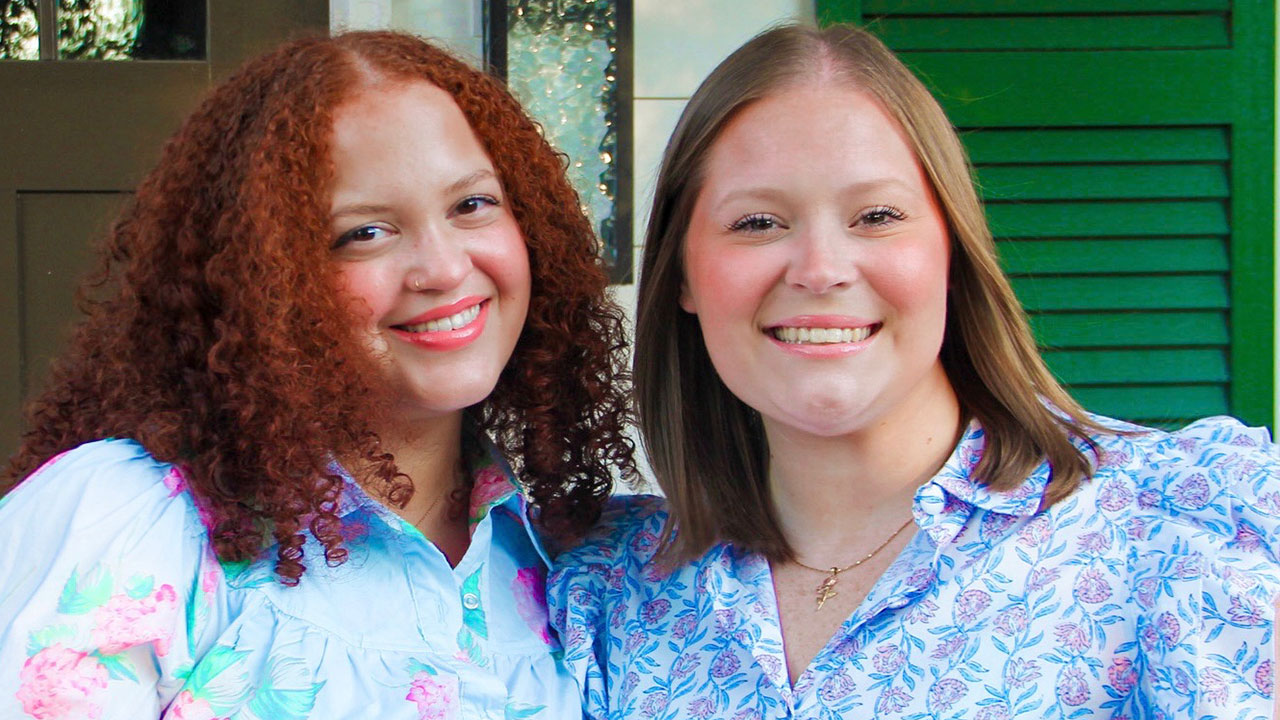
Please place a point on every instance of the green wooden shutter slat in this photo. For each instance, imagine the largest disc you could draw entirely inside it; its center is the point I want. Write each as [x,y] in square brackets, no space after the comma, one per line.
[1131,329]
[1065,145]
[1080,88]
[1181,365]
[1107,219]
[1092,182]
[1053,32]
[1094,257]
[991,7]
[1190,292]
[1152,403]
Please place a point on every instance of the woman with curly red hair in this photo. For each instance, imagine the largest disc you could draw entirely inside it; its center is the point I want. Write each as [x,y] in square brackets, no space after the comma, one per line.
[270,476]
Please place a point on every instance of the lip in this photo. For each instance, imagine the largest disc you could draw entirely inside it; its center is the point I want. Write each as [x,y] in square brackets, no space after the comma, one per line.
[823,321]
[447,339]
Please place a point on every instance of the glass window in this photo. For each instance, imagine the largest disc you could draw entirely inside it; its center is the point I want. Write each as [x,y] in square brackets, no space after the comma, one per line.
[19,30]
[568,61]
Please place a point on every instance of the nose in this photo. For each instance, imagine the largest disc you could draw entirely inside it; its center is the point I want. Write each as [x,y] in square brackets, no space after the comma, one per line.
[440,261]
[821,261]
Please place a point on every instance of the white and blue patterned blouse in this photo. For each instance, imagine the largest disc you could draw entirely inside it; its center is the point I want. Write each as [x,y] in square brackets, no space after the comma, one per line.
[112,605]
[1146,594]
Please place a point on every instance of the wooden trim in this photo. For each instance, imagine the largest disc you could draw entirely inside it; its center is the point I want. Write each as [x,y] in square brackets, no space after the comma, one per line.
[11,331]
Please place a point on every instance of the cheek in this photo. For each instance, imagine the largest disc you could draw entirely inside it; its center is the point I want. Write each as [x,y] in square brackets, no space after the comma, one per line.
[724,283]
[913,280]
[368,292]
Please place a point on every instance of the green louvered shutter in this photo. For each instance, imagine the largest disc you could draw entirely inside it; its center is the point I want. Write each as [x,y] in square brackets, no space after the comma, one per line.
[1125,152]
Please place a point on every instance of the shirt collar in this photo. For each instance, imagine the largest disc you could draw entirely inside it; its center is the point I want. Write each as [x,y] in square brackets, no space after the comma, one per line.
[944,503]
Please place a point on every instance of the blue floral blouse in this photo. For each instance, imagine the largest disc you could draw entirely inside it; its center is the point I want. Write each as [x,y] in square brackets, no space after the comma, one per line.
[112,605]
[1146,594]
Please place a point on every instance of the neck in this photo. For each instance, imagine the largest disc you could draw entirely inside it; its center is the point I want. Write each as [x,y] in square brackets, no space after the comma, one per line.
[854,490]
[429,453]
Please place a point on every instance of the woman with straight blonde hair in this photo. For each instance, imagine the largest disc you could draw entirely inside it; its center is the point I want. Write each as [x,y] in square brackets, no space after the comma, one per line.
[879,501]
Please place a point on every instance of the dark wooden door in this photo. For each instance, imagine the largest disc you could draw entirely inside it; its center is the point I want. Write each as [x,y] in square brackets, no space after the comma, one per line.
[75,137]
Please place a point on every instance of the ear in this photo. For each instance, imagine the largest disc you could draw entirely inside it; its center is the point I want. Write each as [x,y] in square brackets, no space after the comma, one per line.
[686,299]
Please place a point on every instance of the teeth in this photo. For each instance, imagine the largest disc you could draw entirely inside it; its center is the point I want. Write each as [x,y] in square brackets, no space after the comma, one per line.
[820,336]
[453,322]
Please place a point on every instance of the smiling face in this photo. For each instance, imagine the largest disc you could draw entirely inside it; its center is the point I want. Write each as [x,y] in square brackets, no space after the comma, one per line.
[816,262]
[426,246]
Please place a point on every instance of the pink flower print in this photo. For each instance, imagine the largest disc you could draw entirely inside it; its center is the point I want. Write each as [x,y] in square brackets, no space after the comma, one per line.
[724,664]
[1035,532]
[436,696]
[888,659]
[1072,637]
[1148,499]
[1192,492]
[922,612]
[1113,495]
[685,665]
[643,542]
[1147,590]
[1169,628]
[1149,637]
[1264,678]
[948,647]
[847,646]
[1095,542]
[491,486]
[1122,675]
[1021,672]
[684,626]
[59,682]
[1041,578]
[1270,502]
[174,482]
[946,693]
[188,707]
[726,621]
[702,708]
[1213,687]
[1092,587]
[836,686]
[1246,611]
[1136,529]
[530,591]
[633,641]
[654,704]
[993,712]
[893,700]
[1011,621]
[629,683]
[1072,688]
[1248,538]
[126,622]
[653,611]
[747,714]
[994,525]
[771,665]
[971,603]
[920,579]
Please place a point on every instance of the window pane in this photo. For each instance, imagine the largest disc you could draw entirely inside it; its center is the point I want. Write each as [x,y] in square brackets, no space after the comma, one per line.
[562,62]
[19,30]
[131,29]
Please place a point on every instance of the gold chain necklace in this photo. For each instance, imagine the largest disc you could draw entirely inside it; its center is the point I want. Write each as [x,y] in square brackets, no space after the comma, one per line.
[827,588]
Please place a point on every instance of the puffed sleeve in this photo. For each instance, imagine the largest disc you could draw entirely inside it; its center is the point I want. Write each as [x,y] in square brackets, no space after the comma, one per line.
[1208,581]
[108,587]
[585,586]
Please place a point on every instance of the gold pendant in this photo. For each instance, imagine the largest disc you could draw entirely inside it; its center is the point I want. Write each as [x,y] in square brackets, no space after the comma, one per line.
[827,589]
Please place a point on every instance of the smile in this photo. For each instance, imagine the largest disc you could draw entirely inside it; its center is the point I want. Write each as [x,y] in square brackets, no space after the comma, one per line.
[821,336]
[453,322]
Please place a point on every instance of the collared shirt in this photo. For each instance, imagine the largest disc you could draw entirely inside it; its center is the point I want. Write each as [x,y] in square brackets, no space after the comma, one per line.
[112,605]
[1146,593]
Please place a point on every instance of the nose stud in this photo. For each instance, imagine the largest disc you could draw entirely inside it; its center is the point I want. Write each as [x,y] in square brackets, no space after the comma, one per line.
[417,284]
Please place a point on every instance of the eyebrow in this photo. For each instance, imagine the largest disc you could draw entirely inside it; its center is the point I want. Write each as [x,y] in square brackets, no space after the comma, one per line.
[456,186]
[765,192]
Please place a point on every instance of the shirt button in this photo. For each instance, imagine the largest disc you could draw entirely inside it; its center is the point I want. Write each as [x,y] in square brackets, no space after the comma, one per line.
[470,601]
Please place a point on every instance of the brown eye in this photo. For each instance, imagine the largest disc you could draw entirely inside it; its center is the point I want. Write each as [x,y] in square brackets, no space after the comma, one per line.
[474,204]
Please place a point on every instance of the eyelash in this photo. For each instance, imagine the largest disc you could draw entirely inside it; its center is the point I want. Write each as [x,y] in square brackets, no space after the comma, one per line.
[350,235]
[491,200]
[745,223]
[881,211]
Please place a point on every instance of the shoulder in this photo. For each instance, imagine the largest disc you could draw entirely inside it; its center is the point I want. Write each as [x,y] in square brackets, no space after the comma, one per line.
[629,528]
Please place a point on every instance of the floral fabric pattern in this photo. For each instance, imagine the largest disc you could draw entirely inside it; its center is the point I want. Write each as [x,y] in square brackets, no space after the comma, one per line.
[1146,594]
[113,605]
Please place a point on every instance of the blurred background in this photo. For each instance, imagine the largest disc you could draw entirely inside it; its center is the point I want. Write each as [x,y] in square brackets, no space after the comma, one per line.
[1126,150]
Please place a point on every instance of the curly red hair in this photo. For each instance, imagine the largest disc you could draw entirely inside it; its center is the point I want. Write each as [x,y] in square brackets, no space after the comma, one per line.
[224,347]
